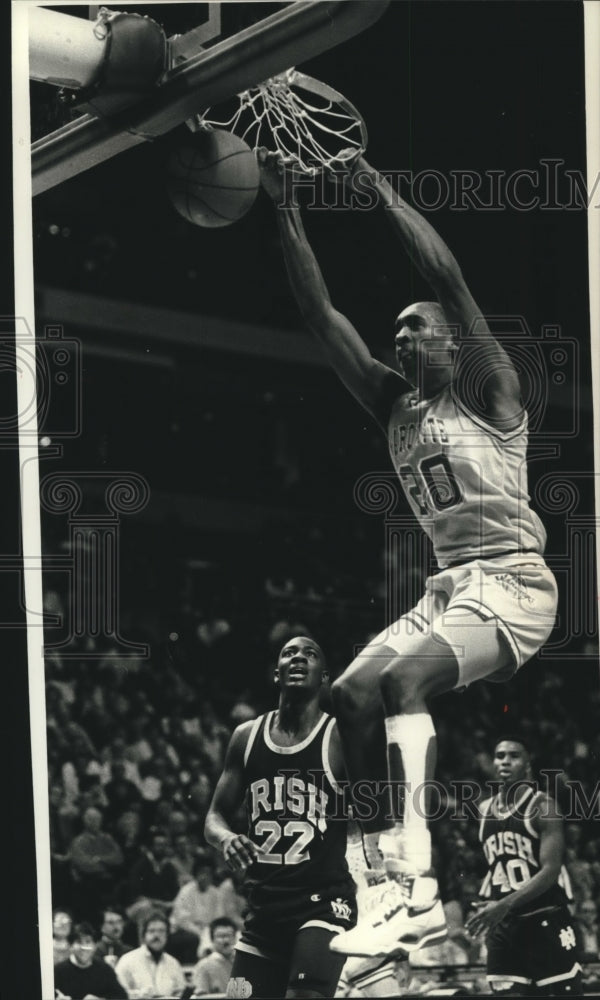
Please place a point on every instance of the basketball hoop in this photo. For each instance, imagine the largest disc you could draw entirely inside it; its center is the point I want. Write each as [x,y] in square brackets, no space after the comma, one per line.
[310,125]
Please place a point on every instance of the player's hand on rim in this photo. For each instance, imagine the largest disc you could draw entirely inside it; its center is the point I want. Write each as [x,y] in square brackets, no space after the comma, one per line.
[272,174]
[239,851]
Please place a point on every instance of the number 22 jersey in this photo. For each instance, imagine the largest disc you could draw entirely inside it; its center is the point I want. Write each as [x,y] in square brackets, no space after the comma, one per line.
[296,815]
[465,481]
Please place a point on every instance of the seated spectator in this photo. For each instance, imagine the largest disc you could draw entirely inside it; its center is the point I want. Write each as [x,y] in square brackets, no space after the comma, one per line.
[148,971]
[110,946]
[128,833]
[120,792]
[62,925]
[212,973]
[95,857]
[591,854]
[214,737]
[178,819]
[62,815]
[82,975]
[199,902]
[580,873]
[588,930]
[153,879]
[115,754]
[74,774]
[200,792]
[183,858]
[91,794]
[138,748]
[153,773]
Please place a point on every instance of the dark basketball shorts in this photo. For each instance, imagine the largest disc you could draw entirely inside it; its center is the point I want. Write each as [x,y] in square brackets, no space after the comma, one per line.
[537,948]
[287,945]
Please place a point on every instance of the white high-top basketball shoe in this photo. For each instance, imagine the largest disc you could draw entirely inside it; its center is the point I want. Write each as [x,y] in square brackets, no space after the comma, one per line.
[407,915]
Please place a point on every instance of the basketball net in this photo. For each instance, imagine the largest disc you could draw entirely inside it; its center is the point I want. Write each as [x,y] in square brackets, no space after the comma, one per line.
[309,124]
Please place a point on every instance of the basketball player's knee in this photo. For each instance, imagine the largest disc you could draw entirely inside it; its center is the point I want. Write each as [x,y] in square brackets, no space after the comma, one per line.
[346,699]
[400,679]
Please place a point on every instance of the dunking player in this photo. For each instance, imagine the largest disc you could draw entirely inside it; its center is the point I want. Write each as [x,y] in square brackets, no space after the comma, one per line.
[530,939]
[287,765]
[457,436]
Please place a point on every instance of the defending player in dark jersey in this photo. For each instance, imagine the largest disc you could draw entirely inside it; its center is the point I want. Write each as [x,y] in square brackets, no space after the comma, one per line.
[457,436]
[530,938]
[286,766]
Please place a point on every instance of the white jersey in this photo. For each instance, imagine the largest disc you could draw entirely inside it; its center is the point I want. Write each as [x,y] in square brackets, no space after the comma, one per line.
[465,481]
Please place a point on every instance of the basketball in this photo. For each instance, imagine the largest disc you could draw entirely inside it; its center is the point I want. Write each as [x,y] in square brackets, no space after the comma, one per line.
[213,179]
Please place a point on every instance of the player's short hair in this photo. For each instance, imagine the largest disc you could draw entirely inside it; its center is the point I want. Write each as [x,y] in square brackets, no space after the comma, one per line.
[308,636]
[83,930]
[514,737]
[153,918]
[221,922]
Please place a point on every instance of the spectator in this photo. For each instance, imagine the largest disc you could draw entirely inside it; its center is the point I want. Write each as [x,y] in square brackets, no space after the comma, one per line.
[200,793]
[62,925]
[183,858]
[215,737]
[153,880]
[95,857]
[82,975]
[148,971]
[580,871]
[200,902]
[588,930]
[115,754]
[153,772]
[128,832]
[111,947]
[212,973]
[121,793]
[62,817]
[178,819]
[138,749]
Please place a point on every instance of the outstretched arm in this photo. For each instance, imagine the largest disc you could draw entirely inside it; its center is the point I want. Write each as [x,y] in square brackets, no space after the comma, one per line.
[479,350]
[373,384]
[237,849]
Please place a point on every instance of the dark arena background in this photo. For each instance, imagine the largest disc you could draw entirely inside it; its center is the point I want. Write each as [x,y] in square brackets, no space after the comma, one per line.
[239,522]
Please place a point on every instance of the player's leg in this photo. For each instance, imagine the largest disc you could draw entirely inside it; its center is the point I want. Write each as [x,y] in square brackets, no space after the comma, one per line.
[265,975]
[314,969]
[360,716]
[554,957]
[508,972]
[456,649]
[359,713]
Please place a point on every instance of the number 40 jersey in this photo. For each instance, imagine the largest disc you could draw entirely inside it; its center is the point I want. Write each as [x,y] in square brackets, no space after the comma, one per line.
[296,816]
[465,480]
[511,846]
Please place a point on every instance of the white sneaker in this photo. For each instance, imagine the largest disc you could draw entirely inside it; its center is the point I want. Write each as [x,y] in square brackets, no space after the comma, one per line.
[408,916]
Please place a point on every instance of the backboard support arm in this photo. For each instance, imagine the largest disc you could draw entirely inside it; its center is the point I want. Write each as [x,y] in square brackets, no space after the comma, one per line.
[290,36]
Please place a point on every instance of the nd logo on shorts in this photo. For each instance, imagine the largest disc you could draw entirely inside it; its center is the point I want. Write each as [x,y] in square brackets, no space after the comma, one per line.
[341,909]
[238,988]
